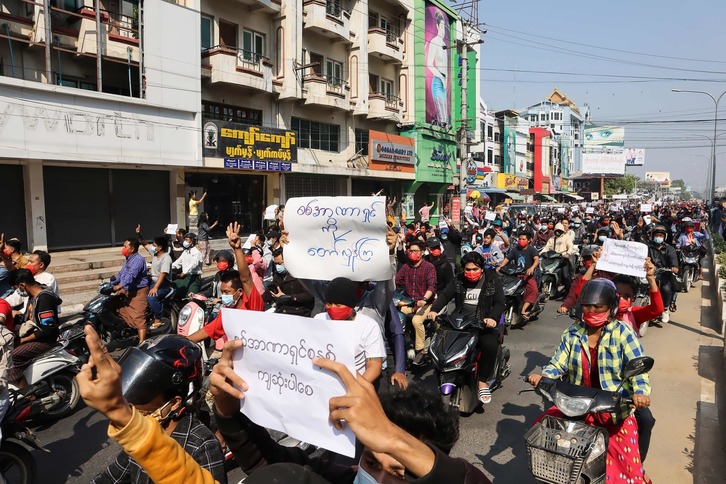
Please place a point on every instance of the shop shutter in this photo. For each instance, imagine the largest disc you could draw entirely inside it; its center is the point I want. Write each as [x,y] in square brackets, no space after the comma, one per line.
[139,197]
[12,219]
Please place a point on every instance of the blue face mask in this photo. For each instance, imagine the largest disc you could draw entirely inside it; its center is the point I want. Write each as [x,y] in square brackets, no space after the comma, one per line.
[602,238]
[228,300]
[153,250]
[362,477]
[444,236]
[186,244]
[280,268]
[658,240]
[21,293]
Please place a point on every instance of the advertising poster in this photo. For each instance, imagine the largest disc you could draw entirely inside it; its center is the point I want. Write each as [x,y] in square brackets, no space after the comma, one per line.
[604,135]
[438,70]
[390,152]
[634,157]
[510,149]
[603,163]
[662,178]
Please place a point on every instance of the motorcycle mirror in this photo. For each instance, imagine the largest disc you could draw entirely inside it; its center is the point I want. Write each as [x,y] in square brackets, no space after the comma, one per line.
[638,366]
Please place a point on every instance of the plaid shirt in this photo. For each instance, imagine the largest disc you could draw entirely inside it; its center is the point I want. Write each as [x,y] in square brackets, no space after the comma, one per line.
[618,345]
[196,439]
[417,280]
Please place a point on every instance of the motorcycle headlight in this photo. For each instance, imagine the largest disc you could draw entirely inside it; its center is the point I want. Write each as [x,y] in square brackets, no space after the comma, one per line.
[184,316]
[572,407]
[597,448]
[458,360]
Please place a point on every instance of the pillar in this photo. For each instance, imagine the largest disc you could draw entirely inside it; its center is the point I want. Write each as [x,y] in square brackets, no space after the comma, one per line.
[35,205]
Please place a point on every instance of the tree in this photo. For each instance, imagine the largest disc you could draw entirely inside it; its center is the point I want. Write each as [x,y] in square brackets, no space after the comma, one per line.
[679,183]
[616,186]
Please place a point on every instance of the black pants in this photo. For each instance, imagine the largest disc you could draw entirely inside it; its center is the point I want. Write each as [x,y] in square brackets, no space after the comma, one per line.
[646,422]
[567,276]
[488,345]
[666,289]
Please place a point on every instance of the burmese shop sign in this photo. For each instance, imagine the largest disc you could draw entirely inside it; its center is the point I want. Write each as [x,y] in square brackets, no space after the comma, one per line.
[250,147]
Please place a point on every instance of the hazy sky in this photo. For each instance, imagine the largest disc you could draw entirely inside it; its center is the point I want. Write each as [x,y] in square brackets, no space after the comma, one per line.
[683,41]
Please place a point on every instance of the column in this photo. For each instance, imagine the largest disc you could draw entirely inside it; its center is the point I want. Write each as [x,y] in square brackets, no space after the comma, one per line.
[35,205]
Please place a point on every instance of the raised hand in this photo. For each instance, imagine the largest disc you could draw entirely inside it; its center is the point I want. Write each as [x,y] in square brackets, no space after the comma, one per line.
[226,386]
[233,235]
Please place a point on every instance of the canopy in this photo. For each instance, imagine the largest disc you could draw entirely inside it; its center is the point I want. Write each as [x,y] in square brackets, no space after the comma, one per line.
[516,197]
[574,196]
[547,197]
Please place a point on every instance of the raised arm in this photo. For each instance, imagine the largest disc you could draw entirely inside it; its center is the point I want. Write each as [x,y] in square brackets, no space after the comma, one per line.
[244,271]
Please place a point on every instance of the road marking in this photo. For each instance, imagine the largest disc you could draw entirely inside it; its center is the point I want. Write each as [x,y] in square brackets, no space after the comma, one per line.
[708,390]
[705,302]
[705,283]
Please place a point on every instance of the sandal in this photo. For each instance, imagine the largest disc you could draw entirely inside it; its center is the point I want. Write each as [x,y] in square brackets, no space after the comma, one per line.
[485,395]
[673,308]
[524,316]
[156,324]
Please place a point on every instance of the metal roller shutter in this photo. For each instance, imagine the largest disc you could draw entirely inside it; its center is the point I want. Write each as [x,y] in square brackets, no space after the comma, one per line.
[12,220]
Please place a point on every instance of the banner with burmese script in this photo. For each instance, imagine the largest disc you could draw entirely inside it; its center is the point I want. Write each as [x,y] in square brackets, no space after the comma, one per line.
[261,148]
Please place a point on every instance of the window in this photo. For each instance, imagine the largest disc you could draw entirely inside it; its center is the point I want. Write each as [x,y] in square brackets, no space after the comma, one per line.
[498,160]
[319,62]
[227,34]
[496,137]
[373,81]
[74,82]
[490,156]
[361,141]
[317,136]
[387,88]
[373,20]
[207,24]
[334,72]
[253,46]
[490,132]
[235,114]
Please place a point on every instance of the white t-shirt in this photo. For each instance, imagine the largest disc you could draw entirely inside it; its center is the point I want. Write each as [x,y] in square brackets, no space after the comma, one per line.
[369,339]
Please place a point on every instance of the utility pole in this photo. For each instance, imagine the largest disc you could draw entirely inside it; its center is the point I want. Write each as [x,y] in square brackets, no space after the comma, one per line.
[462,50]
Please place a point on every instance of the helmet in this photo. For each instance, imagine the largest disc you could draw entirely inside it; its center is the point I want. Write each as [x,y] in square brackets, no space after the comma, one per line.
[192,236]
[166,364]
[687,223]
[598,292]
[659,229]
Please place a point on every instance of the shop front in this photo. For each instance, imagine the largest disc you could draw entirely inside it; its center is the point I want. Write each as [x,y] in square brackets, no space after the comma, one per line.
[391,166]
[13,220]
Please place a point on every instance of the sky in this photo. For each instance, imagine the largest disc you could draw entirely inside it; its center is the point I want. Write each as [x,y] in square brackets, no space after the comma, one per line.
[685,48]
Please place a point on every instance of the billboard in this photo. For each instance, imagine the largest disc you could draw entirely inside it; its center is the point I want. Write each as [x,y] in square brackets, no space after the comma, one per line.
[607,162]
[236,141]
[634,157]
[438,71]
[604,135]
[390,152]
[510,149]
[662,178]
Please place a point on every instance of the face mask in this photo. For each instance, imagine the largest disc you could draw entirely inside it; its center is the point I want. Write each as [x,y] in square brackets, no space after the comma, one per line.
[414,256]
[153,250]
[550,227]
[543,228]
[577,226]
[269,243]
[228,300]
[596,320]
[222,266]
[444,236]
[436,252]
[522,243]
[473,276]
[126,252]
[156,414]
[280,268]
[339,313]
[186,244]
[587,264]
[21,293]
[658,240]
[623,305]
[602,238]
[248,259]
[32,269]
[362,477]
[689,230]
[7,252]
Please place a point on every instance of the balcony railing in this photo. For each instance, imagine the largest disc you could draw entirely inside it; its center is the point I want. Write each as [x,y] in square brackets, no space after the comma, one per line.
[392,101]
[336,85]
[249,59]
[334,8]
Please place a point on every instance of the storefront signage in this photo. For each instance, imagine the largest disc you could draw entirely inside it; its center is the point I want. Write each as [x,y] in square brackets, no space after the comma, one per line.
[257,165]
[390,152]
[240,141]
[512,182]
[439,154]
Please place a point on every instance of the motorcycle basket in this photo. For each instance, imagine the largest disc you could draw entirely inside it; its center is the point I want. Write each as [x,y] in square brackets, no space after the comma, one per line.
[557,456]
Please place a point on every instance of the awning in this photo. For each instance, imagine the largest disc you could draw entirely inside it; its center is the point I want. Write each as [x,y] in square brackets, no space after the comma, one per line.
[516,197]
[493,190]
[547,198]
[573,196]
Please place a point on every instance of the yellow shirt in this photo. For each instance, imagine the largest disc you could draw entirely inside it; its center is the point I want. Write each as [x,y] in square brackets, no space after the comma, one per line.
[193,210]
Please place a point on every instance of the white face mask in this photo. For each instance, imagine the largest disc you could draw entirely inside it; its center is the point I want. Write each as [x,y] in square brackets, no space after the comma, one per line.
[362,477]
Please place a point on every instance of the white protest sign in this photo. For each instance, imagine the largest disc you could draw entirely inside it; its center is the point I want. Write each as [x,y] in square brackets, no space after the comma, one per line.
[561,210]
[646,219]
[171,229]
[443,224]
[270,212]
[589,210]
[645,207]
[490,215]
[286,391]
[623,257]
[248,242]
[333,237]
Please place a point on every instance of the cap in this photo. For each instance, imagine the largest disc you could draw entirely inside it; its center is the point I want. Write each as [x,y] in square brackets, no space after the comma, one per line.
[284,472]
[224,254]
[444,230]
[341,290]
[433,242]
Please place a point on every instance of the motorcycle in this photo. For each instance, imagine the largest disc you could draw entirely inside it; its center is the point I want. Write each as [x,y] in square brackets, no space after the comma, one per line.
[514,298]
[690,257]
[197,313]
[400,300]
[454,355]
[551,263]
[566,450]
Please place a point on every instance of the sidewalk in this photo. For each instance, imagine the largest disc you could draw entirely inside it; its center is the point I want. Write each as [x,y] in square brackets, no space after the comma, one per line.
[687,443]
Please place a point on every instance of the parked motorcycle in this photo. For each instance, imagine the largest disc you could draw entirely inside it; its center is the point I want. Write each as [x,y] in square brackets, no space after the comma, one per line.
[514,298]
[566,450]
[689,256]
[551,263]
[454,354]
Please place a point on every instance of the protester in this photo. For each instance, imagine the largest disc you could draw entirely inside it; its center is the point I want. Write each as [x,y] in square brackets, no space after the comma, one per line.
[132,284]
[286,292]
[525,260]
[444,271]
[189,280]
[193,219]
[160,278]
[203,230]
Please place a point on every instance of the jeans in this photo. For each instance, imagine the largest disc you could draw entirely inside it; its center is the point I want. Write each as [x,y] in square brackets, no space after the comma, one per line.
[156,305]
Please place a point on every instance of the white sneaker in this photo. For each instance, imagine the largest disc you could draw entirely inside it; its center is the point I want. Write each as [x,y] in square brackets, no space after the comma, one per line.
[643,329]
[666,316]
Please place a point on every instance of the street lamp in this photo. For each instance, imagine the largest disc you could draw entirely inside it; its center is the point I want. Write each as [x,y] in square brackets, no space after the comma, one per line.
[709,173]
[716,101]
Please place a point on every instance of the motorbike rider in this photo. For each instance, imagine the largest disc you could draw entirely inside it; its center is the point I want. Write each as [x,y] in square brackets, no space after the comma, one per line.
[161,379]
[450,242]
[477,292]
[593,353]
[286,291]
[527,260]
[545,232]
[160,278]
[489,250]
[189,280]
[562,244]
[225,263]
[664,255]
[587,261]
[690,237]
[132,282]
[444,271]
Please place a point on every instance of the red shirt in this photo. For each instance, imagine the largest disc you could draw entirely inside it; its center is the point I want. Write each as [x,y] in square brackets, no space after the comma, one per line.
[254,302]
[7,311]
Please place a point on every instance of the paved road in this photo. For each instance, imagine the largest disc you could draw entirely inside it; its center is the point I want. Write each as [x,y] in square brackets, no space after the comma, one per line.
[491,439]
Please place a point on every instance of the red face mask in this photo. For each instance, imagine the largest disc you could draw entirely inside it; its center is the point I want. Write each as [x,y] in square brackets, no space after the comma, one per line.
[689,230]
[222,266]
[436,252]
[409,232]
[624,305]
[522,243]
[125,251]
[473,276]
[339,313]
[414,256]
[596,320]
[7,252]
[588,263]
[248,259]
[32,269]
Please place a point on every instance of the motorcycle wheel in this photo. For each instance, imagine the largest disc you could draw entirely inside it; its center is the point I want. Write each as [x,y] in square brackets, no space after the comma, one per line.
[687,279]
[64,381]
[16,464]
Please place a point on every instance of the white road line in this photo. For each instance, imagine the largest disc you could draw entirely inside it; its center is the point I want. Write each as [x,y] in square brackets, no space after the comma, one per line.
[705,302]
[708,390]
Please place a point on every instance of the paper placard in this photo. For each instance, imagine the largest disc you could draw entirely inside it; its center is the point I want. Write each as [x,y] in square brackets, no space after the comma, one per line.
[171,229]
[646,219]
[590,210]
[645,207]
[490,215]
[270,212]
[276,362]
[443,224]
[623,257]
[248,242]
[333,237]
[560,210]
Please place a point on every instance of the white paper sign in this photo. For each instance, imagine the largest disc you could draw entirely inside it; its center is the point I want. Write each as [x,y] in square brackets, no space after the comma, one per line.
[333,237]
[589,210]
[287,392]
[490,215]
[623,257]
[270,212]
[561,210]
[248,242]
[646,219]
[171,229]
[443,224]
[645,207]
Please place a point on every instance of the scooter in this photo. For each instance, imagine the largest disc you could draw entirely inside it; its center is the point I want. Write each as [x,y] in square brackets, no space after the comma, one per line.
[454,355]
[690,257]
[514,299]
[197,313]
[551,263]
[566,450]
